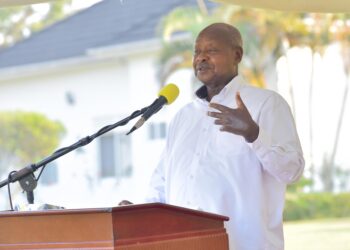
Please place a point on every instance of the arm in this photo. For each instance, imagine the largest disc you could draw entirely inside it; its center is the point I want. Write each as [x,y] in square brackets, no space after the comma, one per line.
[277,145]
[272,136]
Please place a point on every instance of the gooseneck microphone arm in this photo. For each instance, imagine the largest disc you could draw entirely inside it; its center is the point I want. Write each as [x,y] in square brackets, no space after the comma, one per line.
[30,169]
[167,95]
[153,108]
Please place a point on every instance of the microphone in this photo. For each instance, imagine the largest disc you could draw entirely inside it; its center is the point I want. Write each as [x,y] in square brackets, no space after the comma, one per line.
[167,95]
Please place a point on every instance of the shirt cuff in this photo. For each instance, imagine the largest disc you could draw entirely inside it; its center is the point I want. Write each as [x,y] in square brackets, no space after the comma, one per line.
[261,143]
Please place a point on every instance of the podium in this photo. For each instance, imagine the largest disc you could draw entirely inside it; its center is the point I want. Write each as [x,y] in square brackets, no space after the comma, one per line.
[153,226]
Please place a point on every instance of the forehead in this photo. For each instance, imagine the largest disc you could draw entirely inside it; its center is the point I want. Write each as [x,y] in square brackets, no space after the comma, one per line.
[211,40]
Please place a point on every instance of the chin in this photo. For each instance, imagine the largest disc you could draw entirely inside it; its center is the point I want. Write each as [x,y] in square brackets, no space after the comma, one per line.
[207,82]
[204,80]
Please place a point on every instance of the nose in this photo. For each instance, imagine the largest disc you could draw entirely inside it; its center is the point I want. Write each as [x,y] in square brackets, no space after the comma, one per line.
[200,57]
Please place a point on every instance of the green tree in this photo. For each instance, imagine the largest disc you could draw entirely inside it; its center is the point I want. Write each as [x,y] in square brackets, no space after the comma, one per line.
[19,22]
[26,137]
[262,48]
[178,31]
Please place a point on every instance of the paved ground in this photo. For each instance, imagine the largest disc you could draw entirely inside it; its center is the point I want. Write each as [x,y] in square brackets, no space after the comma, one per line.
[328,234]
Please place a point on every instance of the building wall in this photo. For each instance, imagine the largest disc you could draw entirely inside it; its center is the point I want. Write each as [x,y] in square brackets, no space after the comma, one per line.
[101,92]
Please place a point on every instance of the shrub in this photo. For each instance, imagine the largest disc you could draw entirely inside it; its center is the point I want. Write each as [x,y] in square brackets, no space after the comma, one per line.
[300,206]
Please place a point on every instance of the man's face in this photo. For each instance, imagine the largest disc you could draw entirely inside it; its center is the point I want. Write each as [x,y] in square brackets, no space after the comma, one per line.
[215,60]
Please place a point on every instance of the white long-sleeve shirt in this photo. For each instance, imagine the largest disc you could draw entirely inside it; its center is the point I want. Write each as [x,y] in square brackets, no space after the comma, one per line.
[219,172]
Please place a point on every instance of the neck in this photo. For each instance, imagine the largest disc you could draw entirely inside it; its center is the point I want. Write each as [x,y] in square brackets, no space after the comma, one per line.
[214,89]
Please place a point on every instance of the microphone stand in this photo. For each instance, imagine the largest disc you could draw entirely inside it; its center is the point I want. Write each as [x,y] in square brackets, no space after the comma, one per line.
[25,175]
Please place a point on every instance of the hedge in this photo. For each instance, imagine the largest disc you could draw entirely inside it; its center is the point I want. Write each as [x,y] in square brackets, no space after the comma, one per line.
[300,206]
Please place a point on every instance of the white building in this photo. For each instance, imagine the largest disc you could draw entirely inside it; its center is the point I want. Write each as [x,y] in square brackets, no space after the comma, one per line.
[87,71]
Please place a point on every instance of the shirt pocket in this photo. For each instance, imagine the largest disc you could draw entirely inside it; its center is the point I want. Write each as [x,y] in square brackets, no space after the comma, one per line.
[228,144]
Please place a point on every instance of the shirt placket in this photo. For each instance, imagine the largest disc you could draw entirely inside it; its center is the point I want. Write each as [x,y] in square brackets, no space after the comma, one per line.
[199,152]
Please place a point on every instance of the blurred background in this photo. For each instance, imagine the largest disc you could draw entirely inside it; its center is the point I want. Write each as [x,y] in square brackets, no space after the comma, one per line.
[71,67]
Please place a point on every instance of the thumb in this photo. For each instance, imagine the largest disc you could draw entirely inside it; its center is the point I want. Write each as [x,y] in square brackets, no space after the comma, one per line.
[239,102]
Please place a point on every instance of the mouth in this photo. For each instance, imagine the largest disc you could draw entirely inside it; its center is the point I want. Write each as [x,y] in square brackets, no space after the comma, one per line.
[202,68]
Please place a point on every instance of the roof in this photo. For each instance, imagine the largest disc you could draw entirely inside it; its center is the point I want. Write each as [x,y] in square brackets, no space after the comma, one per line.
[107,23]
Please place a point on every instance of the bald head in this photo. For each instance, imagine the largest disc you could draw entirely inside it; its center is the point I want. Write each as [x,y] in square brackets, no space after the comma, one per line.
[225,32]
[217,54]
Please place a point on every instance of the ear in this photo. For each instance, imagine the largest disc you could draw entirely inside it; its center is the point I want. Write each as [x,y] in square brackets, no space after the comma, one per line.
[238,52]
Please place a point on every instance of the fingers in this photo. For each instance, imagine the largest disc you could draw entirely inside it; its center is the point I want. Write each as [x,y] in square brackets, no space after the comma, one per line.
[239,102]
[216,114]
[219,107]
[221,122]
[233,120]
[223,116]
[228,129]
[220,115]
[225,129]
[222,108]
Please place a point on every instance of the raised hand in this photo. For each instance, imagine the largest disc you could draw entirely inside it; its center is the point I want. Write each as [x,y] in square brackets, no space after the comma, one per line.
[237,121]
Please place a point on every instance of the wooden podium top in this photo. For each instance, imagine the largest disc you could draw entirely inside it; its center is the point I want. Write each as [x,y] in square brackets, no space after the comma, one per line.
[129,208]
[105,227]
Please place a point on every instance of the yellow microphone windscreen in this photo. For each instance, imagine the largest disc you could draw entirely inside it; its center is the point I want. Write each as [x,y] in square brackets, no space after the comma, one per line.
[170,92]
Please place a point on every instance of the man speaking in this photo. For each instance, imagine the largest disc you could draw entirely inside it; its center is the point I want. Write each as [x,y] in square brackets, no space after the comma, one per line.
[233,150]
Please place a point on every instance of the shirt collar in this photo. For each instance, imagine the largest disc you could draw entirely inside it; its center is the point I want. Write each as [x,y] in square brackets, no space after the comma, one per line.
[231,87]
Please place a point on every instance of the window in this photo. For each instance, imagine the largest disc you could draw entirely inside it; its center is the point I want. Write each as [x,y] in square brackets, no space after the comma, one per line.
[157,131]
[107,158]
[115,155]
[50,174]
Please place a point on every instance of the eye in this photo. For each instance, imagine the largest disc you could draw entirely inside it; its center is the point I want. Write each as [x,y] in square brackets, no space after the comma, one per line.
[213,51]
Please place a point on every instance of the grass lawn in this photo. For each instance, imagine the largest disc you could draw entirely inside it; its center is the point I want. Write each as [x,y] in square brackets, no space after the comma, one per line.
[327,234]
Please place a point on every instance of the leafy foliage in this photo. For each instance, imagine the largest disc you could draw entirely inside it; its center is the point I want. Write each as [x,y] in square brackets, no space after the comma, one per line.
[267,35]
[263,34]
[19,22]
[316,205]
[178,30]
[300,185]
[26,137]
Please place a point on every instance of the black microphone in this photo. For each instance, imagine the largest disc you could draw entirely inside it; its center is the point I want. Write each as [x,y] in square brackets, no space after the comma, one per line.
[167,95]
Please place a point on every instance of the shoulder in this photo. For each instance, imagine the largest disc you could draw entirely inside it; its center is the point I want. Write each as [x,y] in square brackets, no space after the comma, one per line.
[259,97]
